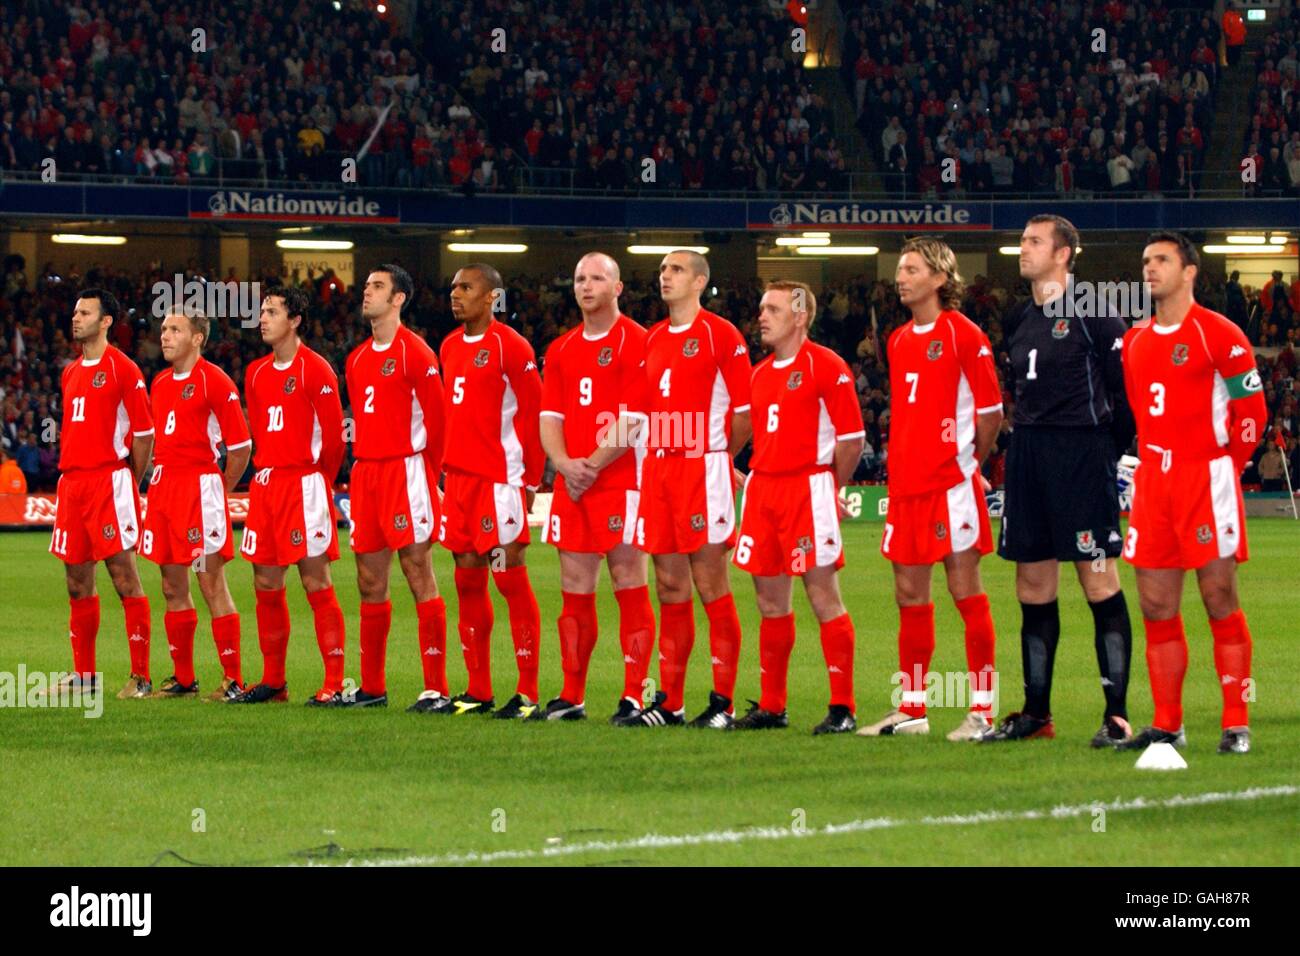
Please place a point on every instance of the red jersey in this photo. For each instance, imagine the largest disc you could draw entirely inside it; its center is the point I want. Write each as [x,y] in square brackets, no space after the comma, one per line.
[295,413]
[396,396]
[803,405]
[941,376]
[104,404]
[492,378]
[1194,389]
[697,376]
[587,383]
[199,410]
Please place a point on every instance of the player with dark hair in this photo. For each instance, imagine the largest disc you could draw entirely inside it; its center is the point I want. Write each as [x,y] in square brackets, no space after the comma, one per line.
[1070,424]
[297,423]
[105,419]
[493,400]
[395,393]
[188,521]
[1198,400]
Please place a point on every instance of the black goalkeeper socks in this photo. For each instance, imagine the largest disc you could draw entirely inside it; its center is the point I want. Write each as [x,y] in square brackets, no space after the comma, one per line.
[1040,631]
[1114,639]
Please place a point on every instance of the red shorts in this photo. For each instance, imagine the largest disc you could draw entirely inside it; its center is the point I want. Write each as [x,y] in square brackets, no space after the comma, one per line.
[687,503]
[788,523]
[597,523]
[479,514]
[187,516]
[926,528]
[393,504]
[97,514]
[1187,516]
[290,517]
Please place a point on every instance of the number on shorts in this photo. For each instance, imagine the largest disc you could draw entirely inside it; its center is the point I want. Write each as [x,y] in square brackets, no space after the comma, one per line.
[584,391]
[370,399]
[1130,543]
[146,542]
[555,525]
[458,390]
[665,382]
[889,533]
[1158,394]
[640,531]
[171,423]
[275,418]
[743,545]
[79,409]
[773,416]
[912,378]
[442,528]
[1033,365]
[249,544]
[60,541]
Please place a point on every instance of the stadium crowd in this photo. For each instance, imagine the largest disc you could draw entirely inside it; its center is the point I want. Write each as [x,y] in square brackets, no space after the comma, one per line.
[1273,135]
[855,319]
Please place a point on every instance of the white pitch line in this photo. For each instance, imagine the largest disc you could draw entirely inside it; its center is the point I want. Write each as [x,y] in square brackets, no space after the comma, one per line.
[655,841]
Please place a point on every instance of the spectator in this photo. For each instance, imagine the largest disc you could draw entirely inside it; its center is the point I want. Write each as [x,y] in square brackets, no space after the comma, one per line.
[12,479]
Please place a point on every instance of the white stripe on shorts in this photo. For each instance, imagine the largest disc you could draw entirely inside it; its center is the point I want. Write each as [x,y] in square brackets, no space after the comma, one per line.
[719,496]
[212,501]
[962,510]
[417,496]
[631,509]
[825,518]
[1223,498]
[316,513]
[124,506]
[509,504]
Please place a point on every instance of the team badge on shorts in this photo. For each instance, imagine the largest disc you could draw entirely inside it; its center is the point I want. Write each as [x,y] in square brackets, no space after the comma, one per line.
[1180,353]
[1204,535]
[486,524]
[389,366]
[290,384]
[1083,540]
[482,358]
[605,357]
[615,522]
[99,380]
[691,347]
[295,537]
[935,350]
[193,535]
[400,522]
[110,532]
[1061,328]
[794,381]
[941,531]
[697,522]
[187,391]
[805,544]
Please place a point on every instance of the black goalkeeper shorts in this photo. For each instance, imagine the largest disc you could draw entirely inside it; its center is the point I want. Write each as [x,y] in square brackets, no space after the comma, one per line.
[1060,500]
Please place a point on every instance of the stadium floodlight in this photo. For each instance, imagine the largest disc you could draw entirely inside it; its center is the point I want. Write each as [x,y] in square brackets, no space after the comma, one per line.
[816,235]
[315,245]
[642,250]
[1242,239]
[837,250]
[487,247]
[75,239]
[1009,250]
[1227,250]
[1279,240]
[803,240]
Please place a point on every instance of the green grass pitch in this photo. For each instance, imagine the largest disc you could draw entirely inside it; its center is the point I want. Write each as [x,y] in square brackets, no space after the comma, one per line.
[278,783]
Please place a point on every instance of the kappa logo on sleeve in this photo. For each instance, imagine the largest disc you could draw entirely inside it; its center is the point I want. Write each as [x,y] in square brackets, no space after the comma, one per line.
[984,350]
[234,397]
[843,379]
[139,383]
[326,390]
[1236,351]
[741,350]
[530,366]
[432,370]
[1117,345]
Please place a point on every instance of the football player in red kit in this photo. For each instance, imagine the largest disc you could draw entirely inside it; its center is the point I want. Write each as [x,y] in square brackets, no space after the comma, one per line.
[807,444]
[591,378]
[297,423]
[187,522]
[697,381]
[493,398]
[1196,394]
[396,396]
[945,409]
[105,419]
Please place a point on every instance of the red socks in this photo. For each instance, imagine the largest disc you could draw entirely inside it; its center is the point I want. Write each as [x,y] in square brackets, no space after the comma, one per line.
[837,647]
[775,641]
[1167,664]
[432,617]
[272,634]
[980,641]
[330,636]
[475,625]
[578,629]
[136,610]
[225,632]
[376,619]
[180,627]
[724,643]
[525,625]
[1232,660]
[83,627]
[676,638]
[915,648]
[636,634]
